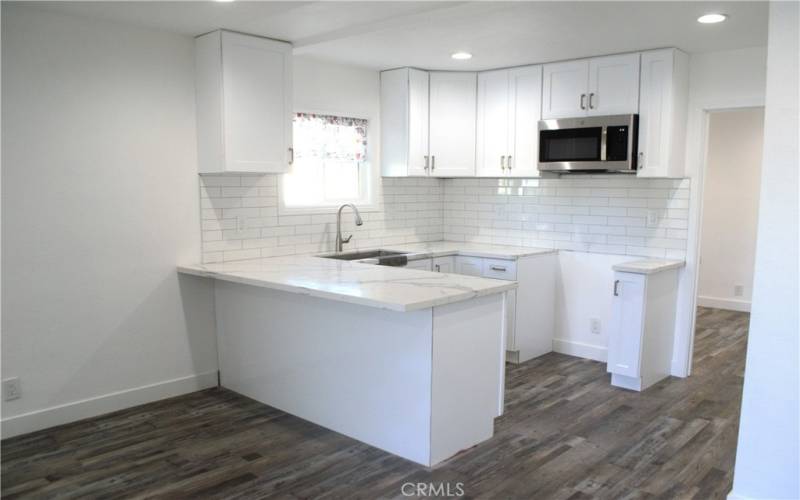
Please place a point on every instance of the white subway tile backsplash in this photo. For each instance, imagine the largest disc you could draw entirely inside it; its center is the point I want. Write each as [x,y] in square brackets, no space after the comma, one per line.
[605,214]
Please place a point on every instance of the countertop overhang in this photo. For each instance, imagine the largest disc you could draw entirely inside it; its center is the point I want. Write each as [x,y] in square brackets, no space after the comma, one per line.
[393,288]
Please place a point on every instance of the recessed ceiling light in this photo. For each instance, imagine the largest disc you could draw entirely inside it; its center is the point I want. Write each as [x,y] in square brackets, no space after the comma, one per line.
[461,56]
[712,18]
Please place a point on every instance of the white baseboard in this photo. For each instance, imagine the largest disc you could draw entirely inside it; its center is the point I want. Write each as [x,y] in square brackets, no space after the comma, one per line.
[723,303]
[588,351]
[107,403]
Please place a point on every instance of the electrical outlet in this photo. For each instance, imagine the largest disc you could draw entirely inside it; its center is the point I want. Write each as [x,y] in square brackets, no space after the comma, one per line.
[652,218]
[738,290]
[11,389]
[595,326]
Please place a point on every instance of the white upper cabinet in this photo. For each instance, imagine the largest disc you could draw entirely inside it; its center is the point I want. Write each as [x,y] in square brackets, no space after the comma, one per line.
[404,122]
[244,103]
[599,86]
[662,113]
[509,109]
[495,122]
[613,85]
[525,85]
[452,123]
[564,89]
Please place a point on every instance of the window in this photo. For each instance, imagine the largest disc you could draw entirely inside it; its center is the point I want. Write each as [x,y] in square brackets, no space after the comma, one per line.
[330,162]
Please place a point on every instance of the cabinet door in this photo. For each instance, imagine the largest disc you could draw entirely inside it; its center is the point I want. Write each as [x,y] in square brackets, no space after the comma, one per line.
[452,123]
[471,266]
[444,264]
[257,103]
[627,324]
[494,122]
[662,113]
[421,264]
[417,122]
[525,92]
[564,89]
[613,85]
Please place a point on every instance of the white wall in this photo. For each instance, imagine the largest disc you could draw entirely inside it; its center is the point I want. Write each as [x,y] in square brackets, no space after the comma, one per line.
[99,202]
[730,208]
[768,453]
[717,80]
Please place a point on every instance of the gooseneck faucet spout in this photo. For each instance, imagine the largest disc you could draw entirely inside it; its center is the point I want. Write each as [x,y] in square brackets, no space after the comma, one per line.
[339,240]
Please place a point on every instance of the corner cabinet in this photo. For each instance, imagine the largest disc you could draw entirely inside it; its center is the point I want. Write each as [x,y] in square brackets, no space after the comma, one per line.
[244,103]
[427,123]
[642,328]
[663,112]
[509,109]
[591,87]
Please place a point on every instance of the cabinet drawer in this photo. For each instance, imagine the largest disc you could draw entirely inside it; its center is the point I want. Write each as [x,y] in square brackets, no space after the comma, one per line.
[500,269]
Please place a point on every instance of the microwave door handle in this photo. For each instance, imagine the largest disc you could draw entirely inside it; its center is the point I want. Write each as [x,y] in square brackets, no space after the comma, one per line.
[603,140]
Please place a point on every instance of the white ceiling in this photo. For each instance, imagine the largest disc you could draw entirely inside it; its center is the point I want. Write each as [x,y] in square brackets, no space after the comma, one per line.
[390,34]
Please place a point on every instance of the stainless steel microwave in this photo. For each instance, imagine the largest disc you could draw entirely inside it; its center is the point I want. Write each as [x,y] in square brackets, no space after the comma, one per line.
[589,144]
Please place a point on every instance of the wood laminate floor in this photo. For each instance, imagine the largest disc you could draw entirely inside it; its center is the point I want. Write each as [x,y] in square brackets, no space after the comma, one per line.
[566,434]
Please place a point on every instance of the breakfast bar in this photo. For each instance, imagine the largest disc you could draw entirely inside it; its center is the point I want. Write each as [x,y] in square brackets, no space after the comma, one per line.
[407,361]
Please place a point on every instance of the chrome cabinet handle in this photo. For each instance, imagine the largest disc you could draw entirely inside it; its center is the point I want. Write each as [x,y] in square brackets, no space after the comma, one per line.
[433,162]
[503,162]
[497,268]
[509,162]
[616,288]
[291,156]
[641,159]
[591,100]
[426,162]
[583,101]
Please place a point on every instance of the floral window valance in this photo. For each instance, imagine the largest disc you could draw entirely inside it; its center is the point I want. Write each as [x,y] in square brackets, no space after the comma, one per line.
[330,137]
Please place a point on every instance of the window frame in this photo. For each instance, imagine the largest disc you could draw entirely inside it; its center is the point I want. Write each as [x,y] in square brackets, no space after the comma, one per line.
[370,174]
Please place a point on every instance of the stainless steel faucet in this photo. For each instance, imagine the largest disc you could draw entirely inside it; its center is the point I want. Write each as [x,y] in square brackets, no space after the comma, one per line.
[339,240]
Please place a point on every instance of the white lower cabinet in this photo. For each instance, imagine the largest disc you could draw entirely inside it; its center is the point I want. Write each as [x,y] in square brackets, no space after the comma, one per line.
[444,264]
[471,266]
[421,264]
[642,328]
[530,309]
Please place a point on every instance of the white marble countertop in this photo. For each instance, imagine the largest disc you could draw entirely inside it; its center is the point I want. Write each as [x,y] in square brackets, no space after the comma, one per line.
[648,266]
[385,287]
[443,248]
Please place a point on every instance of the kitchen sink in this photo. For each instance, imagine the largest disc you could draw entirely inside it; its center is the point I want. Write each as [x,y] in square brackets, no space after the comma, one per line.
[361,255]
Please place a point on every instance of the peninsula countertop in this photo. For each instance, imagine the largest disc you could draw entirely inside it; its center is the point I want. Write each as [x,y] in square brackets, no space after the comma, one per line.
[393,288]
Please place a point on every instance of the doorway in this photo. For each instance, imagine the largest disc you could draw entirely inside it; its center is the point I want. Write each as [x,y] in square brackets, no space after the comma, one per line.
[730,208]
